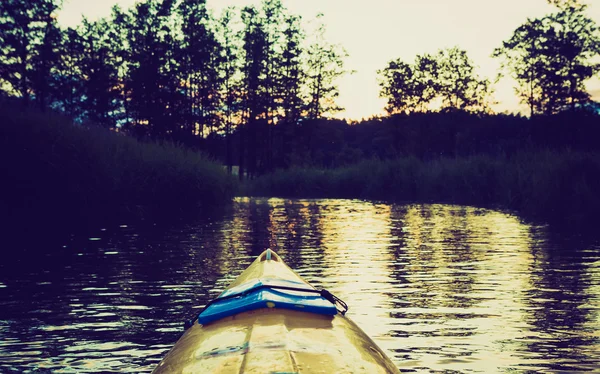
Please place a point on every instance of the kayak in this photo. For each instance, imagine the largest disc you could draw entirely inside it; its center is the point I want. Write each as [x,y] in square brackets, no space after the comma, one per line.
[270,320]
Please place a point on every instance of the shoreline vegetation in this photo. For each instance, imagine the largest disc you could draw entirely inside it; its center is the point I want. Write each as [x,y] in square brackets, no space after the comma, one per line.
[255,87]
[557,188]
[55,171]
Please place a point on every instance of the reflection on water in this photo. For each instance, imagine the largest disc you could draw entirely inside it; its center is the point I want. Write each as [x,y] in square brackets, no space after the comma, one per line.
[440,288]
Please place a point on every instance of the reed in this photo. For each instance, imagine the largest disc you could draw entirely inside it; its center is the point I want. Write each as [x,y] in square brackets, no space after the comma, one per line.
[53,169]
[559,187]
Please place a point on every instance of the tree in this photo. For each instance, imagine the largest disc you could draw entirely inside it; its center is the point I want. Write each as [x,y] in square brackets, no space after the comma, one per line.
[69,87]
[457,83]
[427,80]
[252,87]
[271,82]
[566,3]
[324,65]
[228,71]
[449,75]
[99,72]
[29,36]
[400,86]
[201,56]
[119,22]
[552,57]
[292,74]
[152,82]
[168,69]
[292,79]
[45,59]
[272,18]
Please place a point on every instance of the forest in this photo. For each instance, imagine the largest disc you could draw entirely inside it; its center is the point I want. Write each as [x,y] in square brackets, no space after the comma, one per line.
[255,89]
[171,70]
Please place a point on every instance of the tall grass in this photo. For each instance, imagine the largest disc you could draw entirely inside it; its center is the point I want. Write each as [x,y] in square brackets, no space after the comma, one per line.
[559,187]
[52,170]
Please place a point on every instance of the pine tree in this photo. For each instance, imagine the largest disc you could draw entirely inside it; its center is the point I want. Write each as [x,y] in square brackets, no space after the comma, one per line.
[292,82]
[150,83]
[324,65]
[69,82]
[201,56]
[229,70]
[252,87]
[29,37]
[292,74]
[45,59]
[272,19]
[119,25]
[99,74]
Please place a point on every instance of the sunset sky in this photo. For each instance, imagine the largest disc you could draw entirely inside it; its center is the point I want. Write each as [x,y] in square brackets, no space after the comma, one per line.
[375,31]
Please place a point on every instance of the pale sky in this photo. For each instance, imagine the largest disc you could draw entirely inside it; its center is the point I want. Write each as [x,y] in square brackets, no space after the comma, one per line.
[374,32]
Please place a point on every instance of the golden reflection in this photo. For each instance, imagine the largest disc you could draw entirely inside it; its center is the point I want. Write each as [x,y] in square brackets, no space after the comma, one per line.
[295,227]
[437,286]
[355,259]
[593,291]
[230,251]
[460,273]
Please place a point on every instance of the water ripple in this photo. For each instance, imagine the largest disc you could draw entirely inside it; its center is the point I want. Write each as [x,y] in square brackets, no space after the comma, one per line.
[441,288]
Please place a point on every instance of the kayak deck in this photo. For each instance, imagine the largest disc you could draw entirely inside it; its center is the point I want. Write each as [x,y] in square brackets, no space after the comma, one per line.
[275,340]
[270,293]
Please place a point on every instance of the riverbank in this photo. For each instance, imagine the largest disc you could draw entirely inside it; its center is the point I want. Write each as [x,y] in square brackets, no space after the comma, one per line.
[57,172]
[542,185]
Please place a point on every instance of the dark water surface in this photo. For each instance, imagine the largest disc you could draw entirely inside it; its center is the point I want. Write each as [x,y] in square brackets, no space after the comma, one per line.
[440,288]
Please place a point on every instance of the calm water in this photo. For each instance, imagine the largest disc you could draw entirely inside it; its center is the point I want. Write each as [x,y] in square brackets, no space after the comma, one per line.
[440,288]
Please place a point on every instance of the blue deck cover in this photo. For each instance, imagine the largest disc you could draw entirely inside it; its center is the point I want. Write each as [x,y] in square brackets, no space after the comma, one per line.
[257,294]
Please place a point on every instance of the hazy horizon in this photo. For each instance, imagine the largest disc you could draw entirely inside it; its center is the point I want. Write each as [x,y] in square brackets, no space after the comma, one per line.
[385,30]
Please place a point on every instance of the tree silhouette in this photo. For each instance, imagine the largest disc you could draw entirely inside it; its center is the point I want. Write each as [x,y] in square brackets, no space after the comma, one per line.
[167,69]
[229,74]
[252,87]
[98,72]
[29,37]
[400,86]
[551,58]
[290,92]
[45,58]
[458,85]
[566,3]
[272,19]
[448,75]
[292,74]
[201,55]
[427,78]
[69,88]
[151,82]
[324,65]
[119,25]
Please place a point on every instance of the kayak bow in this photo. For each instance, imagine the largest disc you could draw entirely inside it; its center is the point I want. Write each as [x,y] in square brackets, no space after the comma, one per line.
[270,320]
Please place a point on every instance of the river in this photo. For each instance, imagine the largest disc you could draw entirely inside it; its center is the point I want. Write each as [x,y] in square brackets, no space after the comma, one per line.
[438,287]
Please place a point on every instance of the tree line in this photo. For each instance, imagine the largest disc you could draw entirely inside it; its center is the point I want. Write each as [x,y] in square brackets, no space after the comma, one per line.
[550,58]
[169,69]
[254,88]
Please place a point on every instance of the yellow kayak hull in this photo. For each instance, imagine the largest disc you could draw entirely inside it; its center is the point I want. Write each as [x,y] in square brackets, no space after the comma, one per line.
[273,340]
